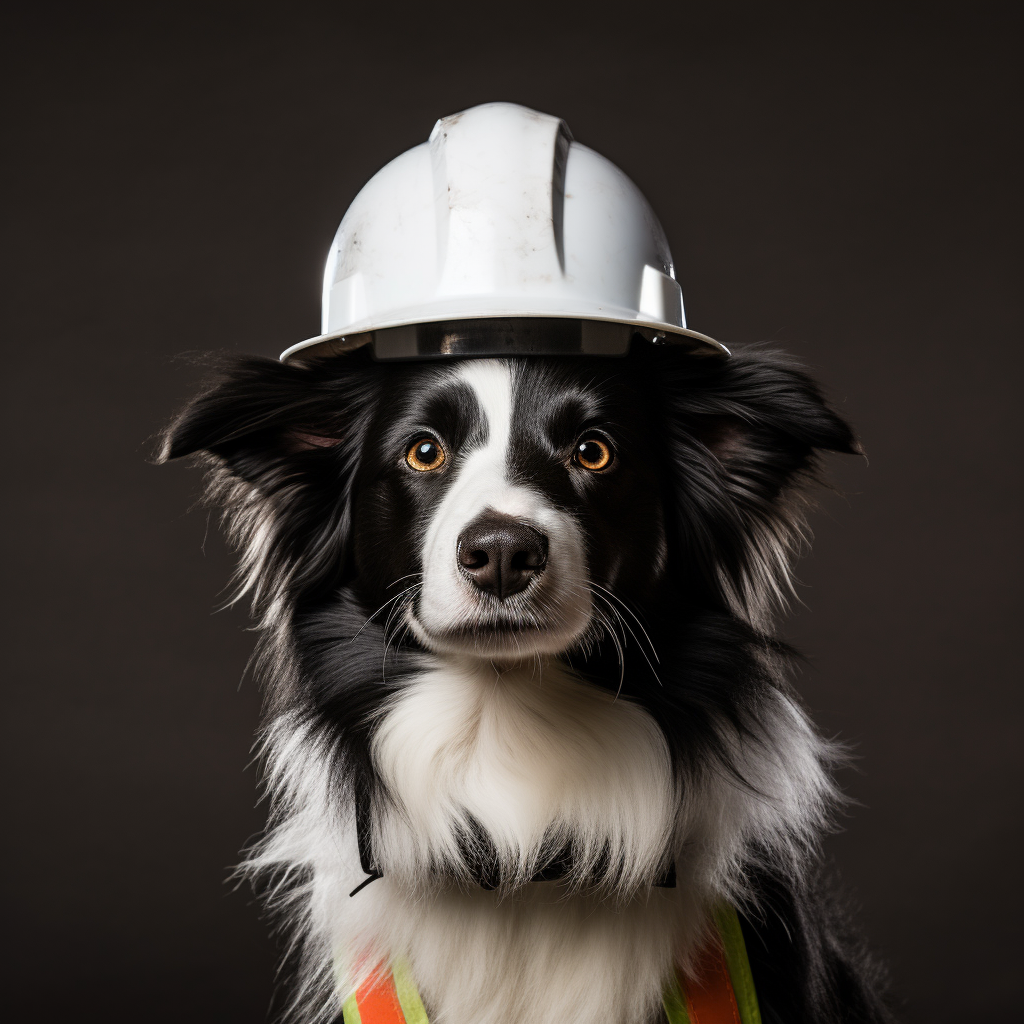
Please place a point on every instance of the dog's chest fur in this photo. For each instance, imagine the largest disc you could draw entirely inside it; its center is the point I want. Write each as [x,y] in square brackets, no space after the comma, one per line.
[537,761]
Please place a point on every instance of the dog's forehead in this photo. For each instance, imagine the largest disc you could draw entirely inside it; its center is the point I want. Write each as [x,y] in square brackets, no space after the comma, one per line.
[526,394]
[428,396]
[506,397]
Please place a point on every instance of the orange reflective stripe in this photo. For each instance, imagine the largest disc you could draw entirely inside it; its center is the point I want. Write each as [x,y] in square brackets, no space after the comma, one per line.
[709,997]
[723,990]
[377,999]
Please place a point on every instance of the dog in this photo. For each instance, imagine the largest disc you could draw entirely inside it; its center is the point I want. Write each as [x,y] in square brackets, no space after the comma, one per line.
[527,722]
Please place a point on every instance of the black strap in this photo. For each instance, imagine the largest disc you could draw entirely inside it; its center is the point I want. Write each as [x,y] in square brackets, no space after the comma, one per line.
[484,874]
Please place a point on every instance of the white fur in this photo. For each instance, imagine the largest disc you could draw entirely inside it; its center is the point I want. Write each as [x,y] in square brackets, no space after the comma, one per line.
[519,752]
[531,756]
[558,602]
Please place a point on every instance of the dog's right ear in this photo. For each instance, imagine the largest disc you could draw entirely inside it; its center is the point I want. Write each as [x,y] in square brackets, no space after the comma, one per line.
[283,443]
[261,407]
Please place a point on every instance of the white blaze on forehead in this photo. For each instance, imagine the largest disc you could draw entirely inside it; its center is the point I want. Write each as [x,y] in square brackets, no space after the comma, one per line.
[481,479]
[480,475]
[491,382]
[448,601]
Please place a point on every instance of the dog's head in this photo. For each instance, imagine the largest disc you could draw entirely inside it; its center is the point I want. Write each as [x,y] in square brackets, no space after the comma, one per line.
[507,499]
[513,507]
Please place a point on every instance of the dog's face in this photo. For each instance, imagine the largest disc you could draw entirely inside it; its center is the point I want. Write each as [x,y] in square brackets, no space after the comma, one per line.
[508,508]
[500,504]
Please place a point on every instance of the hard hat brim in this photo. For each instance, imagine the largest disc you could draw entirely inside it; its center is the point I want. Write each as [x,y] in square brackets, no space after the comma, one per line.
[504,332]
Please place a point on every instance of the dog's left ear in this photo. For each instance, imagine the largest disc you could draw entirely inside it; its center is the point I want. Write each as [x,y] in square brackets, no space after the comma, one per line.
[745,434]
[760,400]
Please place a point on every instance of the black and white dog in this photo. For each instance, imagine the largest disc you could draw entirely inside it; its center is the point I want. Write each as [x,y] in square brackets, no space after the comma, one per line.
[521,678]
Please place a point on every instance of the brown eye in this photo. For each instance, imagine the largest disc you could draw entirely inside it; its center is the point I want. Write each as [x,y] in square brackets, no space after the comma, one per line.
[426,454]
[593,453]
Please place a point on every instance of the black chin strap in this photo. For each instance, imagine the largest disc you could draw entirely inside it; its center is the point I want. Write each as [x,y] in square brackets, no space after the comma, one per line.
[484,874]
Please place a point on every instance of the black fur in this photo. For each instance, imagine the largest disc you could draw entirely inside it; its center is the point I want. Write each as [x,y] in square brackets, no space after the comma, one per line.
[690,530]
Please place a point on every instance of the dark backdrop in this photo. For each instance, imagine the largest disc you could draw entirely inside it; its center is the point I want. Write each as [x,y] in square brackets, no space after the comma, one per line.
[836,179]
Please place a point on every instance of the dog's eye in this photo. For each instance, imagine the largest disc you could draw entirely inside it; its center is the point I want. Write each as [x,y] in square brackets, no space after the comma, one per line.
[426,454]
[593,453]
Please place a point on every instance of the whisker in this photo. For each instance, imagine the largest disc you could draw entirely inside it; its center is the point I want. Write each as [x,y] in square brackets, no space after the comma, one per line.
[608,626]
[396,612]
[408,576]
[606,594]
[632,614]
[391,600]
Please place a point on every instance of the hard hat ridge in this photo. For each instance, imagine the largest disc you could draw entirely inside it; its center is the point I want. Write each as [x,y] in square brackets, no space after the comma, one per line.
[502,171]
[500,216]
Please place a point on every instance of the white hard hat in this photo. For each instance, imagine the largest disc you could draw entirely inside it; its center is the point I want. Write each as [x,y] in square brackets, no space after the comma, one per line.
[499,234]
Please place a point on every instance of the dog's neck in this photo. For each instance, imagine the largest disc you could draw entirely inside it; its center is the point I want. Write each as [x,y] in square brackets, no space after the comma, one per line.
[523,764]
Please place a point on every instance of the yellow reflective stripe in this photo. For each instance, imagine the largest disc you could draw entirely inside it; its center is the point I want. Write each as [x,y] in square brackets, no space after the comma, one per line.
[408,995]
[350,1010]
[674,1002]
[731,933]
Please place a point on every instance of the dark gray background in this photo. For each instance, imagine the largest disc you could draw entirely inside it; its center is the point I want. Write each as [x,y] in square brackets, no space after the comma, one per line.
[840,179]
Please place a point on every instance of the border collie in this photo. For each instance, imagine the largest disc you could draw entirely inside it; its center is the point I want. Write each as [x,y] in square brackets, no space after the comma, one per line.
[527,722]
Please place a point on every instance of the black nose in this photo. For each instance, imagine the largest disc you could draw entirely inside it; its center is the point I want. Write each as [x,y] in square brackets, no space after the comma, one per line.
[500,554]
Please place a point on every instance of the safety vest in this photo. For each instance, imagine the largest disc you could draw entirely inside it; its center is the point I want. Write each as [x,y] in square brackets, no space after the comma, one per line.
[723,992]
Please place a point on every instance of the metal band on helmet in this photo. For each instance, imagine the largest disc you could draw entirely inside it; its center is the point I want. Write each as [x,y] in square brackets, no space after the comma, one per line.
[525,336]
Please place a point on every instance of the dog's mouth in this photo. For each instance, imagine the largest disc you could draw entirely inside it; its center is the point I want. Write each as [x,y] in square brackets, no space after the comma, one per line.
[492,634]
[494,629]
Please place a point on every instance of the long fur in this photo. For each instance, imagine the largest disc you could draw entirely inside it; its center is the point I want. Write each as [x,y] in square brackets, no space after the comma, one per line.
[658,733]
